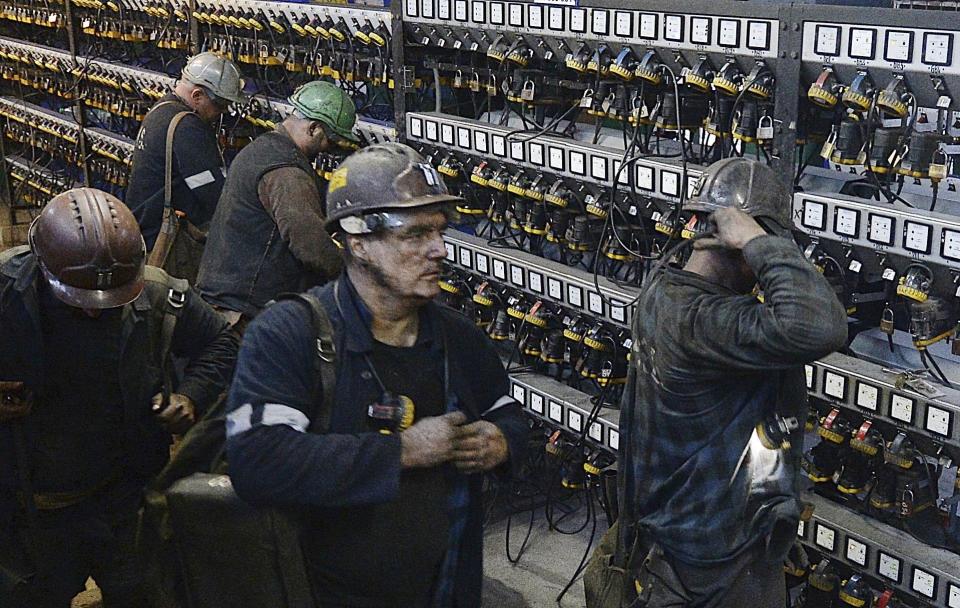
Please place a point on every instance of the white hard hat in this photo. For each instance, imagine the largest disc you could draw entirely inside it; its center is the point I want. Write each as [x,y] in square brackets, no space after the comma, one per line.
[217,74]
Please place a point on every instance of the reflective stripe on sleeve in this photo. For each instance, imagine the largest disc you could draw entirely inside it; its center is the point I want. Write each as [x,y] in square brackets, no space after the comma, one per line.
[200,179]
[238,421]
[241,419]
[275,413]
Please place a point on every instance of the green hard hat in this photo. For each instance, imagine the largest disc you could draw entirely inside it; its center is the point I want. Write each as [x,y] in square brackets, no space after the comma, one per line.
[330,105]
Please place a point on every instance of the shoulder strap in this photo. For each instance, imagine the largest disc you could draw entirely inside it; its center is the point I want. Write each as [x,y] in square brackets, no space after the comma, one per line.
[168,222]
[172,306]
[9,254]
[325,363]
[8,269]
[168,159]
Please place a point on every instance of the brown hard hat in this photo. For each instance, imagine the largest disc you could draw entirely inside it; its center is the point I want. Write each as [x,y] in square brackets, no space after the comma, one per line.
[89,248]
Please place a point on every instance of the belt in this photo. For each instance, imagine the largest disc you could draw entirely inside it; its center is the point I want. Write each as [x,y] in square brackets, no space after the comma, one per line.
[51,501]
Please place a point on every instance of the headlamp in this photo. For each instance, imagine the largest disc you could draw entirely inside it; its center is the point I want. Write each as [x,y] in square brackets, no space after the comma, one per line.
[373,223]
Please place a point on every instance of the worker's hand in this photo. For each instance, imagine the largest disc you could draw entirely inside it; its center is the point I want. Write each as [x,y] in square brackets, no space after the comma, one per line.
[16,401]
[177,416]
[480,446]
[733,230]
[430,442]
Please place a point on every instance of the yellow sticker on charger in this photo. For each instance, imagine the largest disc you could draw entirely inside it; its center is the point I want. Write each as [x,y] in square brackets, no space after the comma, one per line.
[337,180]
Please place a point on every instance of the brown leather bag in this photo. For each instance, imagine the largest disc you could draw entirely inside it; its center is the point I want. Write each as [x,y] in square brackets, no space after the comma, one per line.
[179,246]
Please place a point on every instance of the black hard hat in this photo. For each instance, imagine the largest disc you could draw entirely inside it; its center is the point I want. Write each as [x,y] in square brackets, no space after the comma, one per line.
[89,248]
[748,185]
[383,176]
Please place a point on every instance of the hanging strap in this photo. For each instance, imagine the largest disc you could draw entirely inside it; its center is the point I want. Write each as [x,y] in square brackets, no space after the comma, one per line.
[172,305]
[175,302]
[325,363]
[168,160]
[168,223]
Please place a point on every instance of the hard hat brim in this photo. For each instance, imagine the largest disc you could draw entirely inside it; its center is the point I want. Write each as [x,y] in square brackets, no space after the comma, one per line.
[97,299]
[697,205]
[340,137]
[333,224]
[239,98]
[767,223]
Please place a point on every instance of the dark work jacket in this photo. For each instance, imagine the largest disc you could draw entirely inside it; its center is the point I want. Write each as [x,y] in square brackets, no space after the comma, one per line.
[246,262]
[201,336]
[352,466]
[707,366]
[198,171]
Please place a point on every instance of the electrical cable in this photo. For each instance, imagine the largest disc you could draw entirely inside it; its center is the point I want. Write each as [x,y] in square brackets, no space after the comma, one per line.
[594,411]
[549,508]
[885,191]
[526,538]
[437,104]
[516,345]
[943,378]
[591,513]
[555,121]
[868,148]
[733,112]
[624,163]
[683,174]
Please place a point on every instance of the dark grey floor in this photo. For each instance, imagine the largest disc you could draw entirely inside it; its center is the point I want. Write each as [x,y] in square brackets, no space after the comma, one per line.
[544,569]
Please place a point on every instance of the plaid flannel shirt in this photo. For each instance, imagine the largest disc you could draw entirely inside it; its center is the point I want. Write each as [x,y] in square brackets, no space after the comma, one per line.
[708,365]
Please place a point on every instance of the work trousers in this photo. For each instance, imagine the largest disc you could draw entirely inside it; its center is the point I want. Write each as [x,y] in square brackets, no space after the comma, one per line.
[752,580]
[96,538]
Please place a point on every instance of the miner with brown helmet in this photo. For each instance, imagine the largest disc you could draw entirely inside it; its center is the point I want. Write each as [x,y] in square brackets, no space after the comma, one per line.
[87,398]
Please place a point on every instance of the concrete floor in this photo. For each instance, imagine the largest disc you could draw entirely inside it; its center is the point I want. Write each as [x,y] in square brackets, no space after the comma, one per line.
[546,565]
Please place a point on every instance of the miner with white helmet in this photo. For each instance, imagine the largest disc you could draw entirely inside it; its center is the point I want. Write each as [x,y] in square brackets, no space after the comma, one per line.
[180,131]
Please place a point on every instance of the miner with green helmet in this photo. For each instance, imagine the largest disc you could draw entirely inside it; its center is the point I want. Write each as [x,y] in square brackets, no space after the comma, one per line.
[267,236]
[327,104]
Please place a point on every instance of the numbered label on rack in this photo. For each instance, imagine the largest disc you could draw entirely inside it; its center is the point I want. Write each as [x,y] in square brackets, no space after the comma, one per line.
[556,412]
[856,552]
[953,596]
[924,583]
[536,403]
[595,432]
[536,282]
[889,567]
[466,258]
[826,537]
